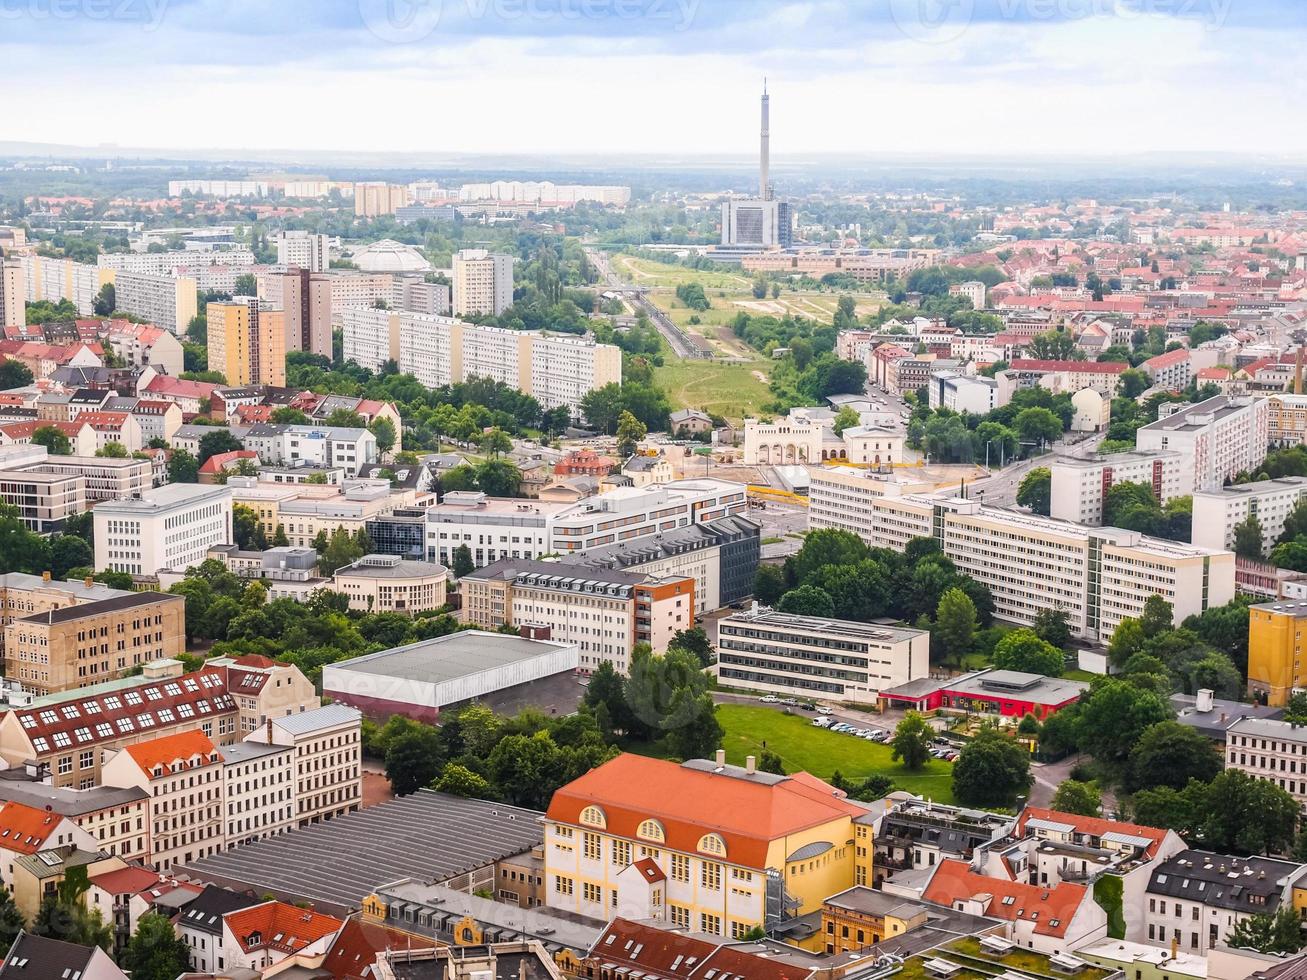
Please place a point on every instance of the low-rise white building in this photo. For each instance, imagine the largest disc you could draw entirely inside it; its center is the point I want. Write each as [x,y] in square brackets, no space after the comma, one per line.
[1218,512]
[813,657]
[171,527]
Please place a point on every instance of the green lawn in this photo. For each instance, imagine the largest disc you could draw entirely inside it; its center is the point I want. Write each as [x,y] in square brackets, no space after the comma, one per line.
[730,390]
[1080,675]
[801,746]
[643,272]
[1018,959]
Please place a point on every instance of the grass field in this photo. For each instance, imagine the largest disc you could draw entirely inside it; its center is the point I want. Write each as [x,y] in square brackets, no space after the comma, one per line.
[729,390]
[801,746]
[643,272]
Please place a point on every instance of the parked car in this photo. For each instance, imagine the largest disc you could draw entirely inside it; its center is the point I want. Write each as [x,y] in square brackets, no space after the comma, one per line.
[821,722]
[769,699]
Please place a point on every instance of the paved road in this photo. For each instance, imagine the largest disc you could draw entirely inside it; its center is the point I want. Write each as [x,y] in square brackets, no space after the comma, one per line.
[1000,489]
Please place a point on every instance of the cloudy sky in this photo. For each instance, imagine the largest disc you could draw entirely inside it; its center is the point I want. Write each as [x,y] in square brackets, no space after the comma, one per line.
[920,77]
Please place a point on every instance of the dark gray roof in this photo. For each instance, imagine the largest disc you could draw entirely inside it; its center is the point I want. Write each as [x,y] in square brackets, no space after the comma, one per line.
[68,802]
[36,958]
[429,836]
[1252,885]
[204,913]
[130,601]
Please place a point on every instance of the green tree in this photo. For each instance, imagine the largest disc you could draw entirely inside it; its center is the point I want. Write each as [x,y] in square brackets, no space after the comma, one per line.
[1248,539]
[463,564]
[246,530]
[1113,715]
[414,759]
[1280,932]
[1246,815]
[495,442]
[695,641]
[342,549]
[1127,639]
[247,285]
[1024,651]
[1158,616]
[183,467]
[955,625]
[106,300]
[630,431]
[1295,711]
[11,920]
[286,415]
[53,439]
[1053,626]
[826,546]
[112,450]
[769,584]
[1039,425]
[807,600]
[1133,383]
[155,952]
[602,407]
[1073,796]
[384,431]
[220,440]
[911,742]
[14,374]
[769,761]
[458,780]
[1170,754]
[992,770]
[68,552]
[1036,490]
[846,418]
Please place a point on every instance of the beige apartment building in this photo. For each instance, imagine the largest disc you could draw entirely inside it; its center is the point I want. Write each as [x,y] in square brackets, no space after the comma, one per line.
[44,500]
[247,344]
[604,613]
[306,304]
[13,294]
[374,197]
[483,282]
[68,732]
[327,744]
[258,790]
[387,583]
[170,302]
[183,775]
[82,645]
[1098,576]
[115,818]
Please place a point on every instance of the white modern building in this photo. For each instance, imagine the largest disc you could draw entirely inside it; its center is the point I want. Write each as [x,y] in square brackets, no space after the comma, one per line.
[1218,512]
[1218,438]
[171,527]
[813,657]
[483,282]
[960,393]
[166,301]
[1079,486]
[312,445]
[1098,576]
[304,249]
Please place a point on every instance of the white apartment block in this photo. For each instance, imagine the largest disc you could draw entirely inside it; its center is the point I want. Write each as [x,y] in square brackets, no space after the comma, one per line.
[168,263]
[172,527]
[812,657]
[556,369]
[218,188]
[327,743]
[1272,750]
[106,478]
[1098,576]
[495,529]
[313,445]
[258,783]
[13,293]
[959,393]
[166,301]
[350,288]
[304,249]
[1218,438]
[1079,486]
[420,296]
[483,282]
[1217,512]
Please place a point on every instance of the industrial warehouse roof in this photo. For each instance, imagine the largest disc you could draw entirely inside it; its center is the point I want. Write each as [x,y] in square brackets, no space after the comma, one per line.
[448,657]
[429,836]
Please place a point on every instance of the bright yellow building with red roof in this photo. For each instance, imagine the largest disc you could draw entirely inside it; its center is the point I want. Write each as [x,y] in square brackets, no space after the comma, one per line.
[701,845]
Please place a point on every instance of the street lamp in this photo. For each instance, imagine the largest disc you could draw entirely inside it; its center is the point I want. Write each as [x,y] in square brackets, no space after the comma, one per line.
[1002,459]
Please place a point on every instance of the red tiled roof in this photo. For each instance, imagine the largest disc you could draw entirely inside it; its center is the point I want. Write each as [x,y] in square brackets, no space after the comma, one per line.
[24,829]
[1094,826]
[278,926]
[127,881]
[171,751]
[954,881]
[649,870]
[103,421]
[663,953]
[217,463]
[358,944]
[164,385]
[690,803]
[1080,367]
[1170,358]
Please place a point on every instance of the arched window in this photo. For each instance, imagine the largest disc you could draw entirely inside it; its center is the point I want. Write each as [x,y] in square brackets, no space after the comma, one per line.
[712,844]
[593,816]
[651,830]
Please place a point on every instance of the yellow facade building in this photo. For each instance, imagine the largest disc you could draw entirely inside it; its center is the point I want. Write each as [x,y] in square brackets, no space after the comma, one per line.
[702,846]
[247,344]
[1275,644]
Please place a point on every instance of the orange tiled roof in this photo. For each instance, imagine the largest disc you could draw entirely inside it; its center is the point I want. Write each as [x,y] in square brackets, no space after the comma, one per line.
[1094,826]
[24,828]
[1050,909]
[690,803]
[278,926]
[358,944]
[170,748]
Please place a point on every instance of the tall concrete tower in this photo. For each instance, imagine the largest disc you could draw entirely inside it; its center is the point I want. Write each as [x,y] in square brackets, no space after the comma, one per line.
[764,176]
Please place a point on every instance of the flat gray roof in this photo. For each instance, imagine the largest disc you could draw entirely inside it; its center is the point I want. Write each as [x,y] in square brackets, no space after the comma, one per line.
[1267,728]
[427,836]
[448,657]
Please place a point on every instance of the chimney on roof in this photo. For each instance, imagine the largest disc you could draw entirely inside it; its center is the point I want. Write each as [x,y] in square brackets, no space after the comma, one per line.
[269,731]
[45,576]
[750,765]
[721,757]
[90,581]
[1175,946]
